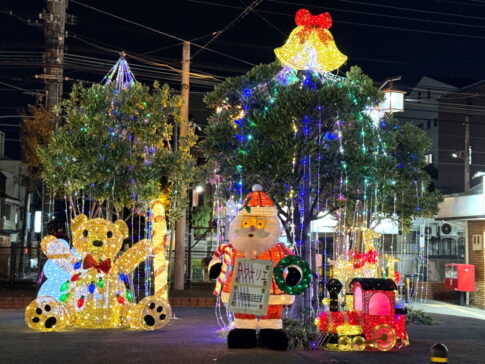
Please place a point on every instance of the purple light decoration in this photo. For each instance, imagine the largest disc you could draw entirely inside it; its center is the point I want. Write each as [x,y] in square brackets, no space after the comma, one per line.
[121,74]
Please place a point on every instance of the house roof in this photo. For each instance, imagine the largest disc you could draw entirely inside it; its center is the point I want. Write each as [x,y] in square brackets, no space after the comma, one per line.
[374,284]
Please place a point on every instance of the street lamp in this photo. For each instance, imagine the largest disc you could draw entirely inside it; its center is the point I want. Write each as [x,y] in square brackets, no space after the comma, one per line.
[393,99]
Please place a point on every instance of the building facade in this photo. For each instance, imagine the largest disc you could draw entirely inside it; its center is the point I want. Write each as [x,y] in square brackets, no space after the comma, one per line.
[15,204]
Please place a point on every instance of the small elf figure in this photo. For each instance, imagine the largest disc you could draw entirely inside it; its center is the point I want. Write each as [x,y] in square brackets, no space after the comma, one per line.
[254,234]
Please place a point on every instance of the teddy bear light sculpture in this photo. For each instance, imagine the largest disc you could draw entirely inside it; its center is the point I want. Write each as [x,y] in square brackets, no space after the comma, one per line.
[96,295]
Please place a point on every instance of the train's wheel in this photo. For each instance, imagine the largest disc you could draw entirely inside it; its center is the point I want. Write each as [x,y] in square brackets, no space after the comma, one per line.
[405,339]
[344,343]
[358,343]
[384,337]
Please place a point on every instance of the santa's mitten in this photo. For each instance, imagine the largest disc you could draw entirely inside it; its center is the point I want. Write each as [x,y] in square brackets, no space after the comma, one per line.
[215,270]
[293,277]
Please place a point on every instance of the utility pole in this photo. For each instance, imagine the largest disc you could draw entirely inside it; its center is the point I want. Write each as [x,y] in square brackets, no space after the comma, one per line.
[54,18]
[180,225]
[467,154]
[55,26]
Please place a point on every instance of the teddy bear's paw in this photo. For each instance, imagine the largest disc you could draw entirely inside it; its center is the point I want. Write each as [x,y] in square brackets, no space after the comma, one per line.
[47,314]
[154,313]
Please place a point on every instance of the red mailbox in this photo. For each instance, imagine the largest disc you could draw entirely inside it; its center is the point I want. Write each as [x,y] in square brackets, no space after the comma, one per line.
[460,277]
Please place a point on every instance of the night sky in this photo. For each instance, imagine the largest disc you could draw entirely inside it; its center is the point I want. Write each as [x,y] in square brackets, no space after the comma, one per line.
[441,39]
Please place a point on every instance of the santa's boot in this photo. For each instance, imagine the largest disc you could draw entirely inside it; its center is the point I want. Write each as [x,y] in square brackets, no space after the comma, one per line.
[242,339]
[274,339]
[244,335]
[271,334]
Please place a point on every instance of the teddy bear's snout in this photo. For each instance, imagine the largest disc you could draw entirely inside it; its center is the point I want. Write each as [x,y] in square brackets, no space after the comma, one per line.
[98,243]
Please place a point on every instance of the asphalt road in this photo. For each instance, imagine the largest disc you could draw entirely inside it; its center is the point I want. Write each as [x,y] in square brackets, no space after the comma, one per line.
[193,339]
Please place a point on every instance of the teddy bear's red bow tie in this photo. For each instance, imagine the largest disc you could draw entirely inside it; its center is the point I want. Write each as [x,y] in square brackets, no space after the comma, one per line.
[90,262]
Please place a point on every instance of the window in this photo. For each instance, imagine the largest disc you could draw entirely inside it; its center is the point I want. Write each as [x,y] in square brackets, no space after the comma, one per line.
[358,298]
[7,212]
[435,122]
[421,126]
[428,158]
[3,179]
[379,304]
[428,124]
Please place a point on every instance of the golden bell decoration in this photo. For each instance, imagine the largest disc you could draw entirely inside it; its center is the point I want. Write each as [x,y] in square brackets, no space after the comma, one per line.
[311,45]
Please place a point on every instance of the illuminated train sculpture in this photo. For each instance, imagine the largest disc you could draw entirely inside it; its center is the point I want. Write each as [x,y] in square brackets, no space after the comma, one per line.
[372,323]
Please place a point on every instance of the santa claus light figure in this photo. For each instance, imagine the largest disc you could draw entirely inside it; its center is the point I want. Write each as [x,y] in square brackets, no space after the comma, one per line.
[254,234]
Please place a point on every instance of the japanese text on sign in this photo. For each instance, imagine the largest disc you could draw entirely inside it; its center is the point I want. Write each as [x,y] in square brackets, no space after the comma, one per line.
[251,286]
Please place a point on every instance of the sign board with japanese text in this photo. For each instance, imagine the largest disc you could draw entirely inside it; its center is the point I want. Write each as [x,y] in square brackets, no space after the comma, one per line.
[251,285]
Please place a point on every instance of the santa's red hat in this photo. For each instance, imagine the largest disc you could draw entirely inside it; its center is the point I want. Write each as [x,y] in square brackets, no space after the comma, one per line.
[258,203]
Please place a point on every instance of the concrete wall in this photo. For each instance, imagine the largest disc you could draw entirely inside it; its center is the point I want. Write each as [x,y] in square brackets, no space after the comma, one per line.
[477,258]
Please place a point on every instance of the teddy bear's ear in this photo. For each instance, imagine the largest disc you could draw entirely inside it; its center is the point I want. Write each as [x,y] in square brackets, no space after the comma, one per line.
[77,221]
[123,228]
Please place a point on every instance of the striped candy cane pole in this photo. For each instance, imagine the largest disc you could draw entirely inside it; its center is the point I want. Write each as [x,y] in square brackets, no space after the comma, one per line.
[159,241]
[226,252]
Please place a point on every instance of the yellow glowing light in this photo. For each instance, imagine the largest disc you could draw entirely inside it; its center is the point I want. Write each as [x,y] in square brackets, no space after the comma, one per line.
[159,239]
[344,269]
[96,296]
[311,47]
[390,264]
[326,302]
[349,302]
[347,329]
[47,314]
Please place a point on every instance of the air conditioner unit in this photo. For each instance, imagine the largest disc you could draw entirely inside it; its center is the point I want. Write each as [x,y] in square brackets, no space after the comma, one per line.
[448,230]
[429,230]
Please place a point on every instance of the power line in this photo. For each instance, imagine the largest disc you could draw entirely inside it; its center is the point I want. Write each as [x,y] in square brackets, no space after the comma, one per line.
[145,60]
[444,103]
[108,63]
[472,2]
[15,87]
[382,15]
[266,20]
[413,10]
[157,31]
[245,12]
[459,35]
[15,60]
[177,44]
[18,17]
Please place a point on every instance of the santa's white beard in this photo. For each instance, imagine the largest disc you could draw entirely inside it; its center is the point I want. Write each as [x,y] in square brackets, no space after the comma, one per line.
[251,247]
[261,239]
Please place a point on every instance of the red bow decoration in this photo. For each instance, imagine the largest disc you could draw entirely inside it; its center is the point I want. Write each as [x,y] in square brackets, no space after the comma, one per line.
[311,22]
[90,262]
[397,277]
[360,259]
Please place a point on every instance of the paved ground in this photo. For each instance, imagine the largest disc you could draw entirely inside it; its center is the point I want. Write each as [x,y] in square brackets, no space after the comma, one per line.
[193,339]
[445,308]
